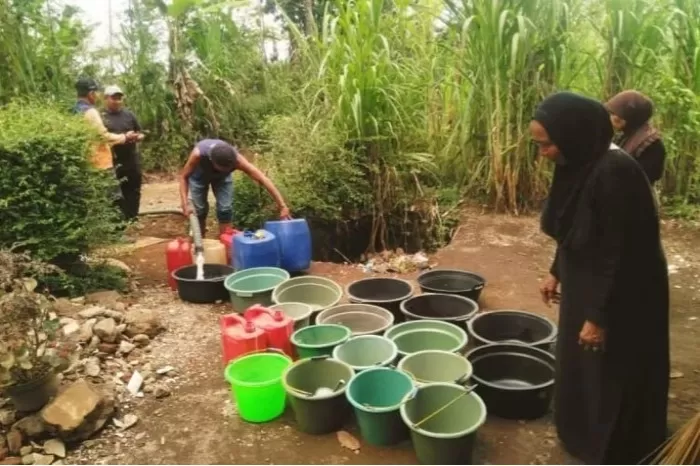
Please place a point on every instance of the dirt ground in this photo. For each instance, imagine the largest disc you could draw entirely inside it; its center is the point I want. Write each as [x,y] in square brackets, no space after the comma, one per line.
[198,423]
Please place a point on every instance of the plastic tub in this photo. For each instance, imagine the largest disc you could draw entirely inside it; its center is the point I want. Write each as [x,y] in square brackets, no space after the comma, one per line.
[319,340]
[376,395]
[451,281]
[512,326]
[434,306]
[383,292]
[256,385]
[299,312]
[207,291]
[316,389]
[421,335]
[456,415]
[435,366]
[362,319]
[254,286]
[366,352]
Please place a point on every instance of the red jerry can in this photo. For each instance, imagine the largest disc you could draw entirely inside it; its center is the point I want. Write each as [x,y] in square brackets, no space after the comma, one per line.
[277,326]
[227,238]
[177,254]
[239,337]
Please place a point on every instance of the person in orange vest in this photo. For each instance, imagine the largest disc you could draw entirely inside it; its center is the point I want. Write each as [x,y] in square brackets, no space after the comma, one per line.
[87,89]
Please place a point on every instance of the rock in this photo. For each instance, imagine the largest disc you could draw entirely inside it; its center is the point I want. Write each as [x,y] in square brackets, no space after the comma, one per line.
[86,332]
[3,451]
[108,348]
[347,440]
[64,307]
[165,370]
[31,426]
[125,347]
[55,447]
[121,307]
[129,421]
[99,311]
[70,409]
[141,339]
[103,298]
[161,392]
[676,374]
[7,417]
[42,459]
[106,329]
[92,367]
[121,328]
[26,450]
[11,460]
[118,264]
[28,459]
[94,342]
[143,321]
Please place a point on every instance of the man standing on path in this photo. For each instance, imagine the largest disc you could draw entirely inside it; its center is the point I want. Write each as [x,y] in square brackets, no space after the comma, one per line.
[119,120]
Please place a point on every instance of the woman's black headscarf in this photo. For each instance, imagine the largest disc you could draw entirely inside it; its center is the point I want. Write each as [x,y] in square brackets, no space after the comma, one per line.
[580,127]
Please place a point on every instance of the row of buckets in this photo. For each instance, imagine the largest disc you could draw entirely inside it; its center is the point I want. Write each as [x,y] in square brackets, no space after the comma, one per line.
[390,404]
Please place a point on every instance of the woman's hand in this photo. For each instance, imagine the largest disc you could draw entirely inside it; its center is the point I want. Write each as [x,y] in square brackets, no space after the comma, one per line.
[592,337]
[549,290]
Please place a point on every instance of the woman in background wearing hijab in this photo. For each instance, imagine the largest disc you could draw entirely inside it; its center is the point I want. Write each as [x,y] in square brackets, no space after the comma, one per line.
[630,112]
[612,349]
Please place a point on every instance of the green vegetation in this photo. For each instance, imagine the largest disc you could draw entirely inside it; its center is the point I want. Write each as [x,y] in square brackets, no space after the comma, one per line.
[388,111]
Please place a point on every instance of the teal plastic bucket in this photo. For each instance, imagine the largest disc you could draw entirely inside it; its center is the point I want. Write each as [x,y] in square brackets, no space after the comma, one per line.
[256,385]
[316,389]
[444,420]
[376,396]
[254,286]
[319,340]
[366,352]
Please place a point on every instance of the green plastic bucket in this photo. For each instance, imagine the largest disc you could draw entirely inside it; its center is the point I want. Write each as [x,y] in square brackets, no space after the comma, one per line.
[299,312]
[376,395]
[448,436]
[256,385]
[318,292]
[316,389]
[421,335]
[254,286]
[366,351]
[436,366]
[319,340]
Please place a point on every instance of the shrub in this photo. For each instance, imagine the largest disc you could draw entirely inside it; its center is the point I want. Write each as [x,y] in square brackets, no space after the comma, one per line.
[52,201]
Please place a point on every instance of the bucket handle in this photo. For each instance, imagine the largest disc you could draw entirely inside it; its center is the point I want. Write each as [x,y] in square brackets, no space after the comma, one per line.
[444,407]
[478,287]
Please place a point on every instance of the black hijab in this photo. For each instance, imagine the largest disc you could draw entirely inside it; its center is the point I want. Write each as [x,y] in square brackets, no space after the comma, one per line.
[580,127]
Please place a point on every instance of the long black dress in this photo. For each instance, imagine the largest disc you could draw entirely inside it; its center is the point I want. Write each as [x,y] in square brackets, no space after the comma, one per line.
[610,407]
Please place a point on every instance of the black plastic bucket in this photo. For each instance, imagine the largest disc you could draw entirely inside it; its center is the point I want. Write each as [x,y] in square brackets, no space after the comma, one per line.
[435,306]
[448,281]
[383,292]
[513,327]
[514,380]
[206,291]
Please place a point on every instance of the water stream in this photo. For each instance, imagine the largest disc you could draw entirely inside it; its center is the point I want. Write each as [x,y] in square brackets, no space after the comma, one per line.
[199,260]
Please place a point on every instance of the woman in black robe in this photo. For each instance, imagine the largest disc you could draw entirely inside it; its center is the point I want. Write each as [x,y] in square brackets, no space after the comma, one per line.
[613,343]
[630,114]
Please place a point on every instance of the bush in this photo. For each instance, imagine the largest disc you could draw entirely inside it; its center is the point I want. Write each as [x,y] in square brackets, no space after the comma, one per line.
[52,201]
[81,279]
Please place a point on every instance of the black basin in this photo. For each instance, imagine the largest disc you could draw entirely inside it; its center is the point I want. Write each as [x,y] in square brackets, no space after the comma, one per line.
[435,306]
[513,327]
[383,292]
[447,281]
[514,380]
[209,290]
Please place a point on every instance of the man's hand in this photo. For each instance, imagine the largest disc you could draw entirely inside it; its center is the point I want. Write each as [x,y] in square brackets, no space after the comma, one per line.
[186,210]
[591,337]
[549,290]
[131,136]
[140,137]
[284,213]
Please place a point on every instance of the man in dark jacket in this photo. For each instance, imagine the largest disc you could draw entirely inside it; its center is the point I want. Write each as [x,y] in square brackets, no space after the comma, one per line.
[126,156]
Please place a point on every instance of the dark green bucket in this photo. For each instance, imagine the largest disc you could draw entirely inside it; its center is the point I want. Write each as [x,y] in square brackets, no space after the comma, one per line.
[319,340]
[376,396]
[316,392]
[448,436]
